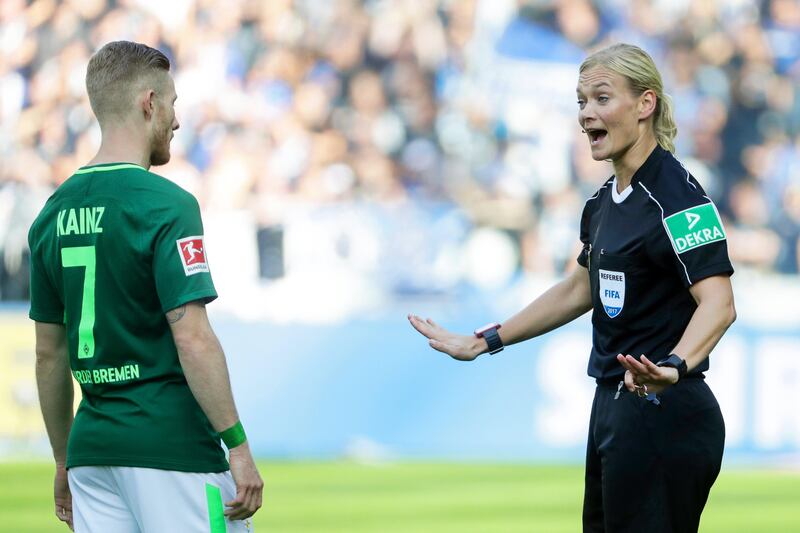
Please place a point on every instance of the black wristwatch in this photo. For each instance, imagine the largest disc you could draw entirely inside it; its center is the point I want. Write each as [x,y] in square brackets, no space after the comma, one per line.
[673,361]
[489,332]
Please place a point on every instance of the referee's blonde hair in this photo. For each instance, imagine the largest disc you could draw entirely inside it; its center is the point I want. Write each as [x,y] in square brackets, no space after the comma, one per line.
[636,66]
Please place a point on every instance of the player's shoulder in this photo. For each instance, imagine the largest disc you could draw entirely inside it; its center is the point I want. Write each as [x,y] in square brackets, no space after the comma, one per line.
[50,209]
[153,192]
[158,184]
[44,217]
[673,187]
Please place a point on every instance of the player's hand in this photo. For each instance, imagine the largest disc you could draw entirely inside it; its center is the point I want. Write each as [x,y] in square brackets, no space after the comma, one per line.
[646,372]
[249,485]
[62,495]
[461,347]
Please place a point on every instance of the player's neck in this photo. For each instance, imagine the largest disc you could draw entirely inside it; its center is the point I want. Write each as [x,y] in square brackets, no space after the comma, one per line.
[120,147]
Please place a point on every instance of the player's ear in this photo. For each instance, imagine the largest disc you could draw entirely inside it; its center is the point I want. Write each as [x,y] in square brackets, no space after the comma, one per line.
[148,103]
[647,104]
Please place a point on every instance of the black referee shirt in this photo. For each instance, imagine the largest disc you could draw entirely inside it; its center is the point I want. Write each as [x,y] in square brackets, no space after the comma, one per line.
[644,248]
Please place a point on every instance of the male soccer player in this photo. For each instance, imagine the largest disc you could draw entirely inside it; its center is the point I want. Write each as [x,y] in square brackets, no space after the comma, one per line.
[119,283]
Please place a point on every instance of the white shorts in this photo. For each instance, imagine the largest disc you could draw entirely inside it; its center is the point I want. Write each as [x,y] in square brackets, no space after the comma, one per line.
[124,499]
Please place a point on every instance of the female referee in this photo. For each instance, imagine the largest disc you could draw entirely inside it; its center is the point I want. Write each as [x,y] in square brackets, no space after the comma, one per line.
[655,272]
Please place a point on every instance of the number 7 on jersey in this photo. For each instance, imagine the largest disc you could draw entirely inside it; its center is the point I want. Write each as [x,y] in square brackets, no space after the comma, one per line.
[84,256]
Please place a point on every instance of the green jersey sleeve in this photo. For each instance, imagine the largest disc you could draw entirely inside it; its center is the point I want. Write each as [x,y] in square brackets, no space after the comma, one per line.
[46,305]
[180,262]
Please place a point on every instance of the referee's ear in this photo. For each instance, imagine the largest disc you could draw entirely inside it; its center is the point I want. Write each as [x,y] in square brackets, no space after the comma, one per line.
[647,104]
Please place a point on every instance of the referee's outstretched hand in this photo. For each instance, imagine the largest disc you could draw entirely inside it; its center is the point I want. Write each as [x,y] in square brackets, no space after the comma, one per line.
[249,485]
[460,347]
[646,372]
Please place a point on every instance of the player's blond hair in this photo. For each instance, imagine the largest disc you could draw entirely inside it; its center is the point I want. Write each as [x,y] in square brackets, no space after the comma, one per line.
[636,66]
[117,72]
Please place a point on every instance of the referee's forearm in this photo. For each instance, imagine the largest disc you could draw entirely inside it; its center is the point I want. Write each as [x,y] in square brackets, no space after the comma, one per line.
[559,305]
[709,323]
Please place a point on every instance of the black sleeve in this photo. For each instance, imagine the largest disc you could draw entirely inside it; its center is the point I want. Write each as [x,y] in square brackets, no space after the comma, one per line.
[693,239]
[583,256]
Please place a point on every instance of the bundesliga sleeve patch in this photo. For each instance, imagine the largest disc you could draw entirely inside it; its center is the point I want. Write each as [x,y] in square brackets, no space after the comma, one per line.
[694,227]
[193,255]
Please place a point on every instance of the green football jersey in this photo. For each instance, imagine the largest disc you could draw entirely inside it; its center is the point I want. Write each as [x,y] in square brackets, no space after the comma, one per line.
[115,248]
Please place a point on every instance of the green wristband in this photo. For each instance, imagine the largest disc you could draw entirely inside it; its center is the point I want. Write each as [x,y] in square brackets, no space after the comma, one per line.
[233,436]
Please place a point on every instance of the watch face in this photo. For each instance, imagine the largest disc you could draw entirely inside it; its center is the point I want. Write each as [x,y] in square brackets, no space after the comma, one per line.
[480,331]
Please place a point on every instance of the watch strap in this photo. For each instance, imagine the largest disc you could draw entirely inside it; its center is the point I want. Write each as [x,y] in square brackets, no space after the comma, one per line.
[493,340]
[674,361]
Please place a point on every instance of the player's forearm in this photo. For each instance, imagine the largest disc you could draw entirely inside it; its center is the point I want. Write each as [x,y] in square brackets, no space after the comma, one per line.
[203,363]
[559,305]
[54,384]
[206,372]
[709,322]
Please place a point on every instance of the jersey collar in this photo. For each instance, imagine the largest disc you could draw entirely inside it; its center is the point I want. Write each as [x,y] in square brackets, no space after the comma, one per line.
[105,167]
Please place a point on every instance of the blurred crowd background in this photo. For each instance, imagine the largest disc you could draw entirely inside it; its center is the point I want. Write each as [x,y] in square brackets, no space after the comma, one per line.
[405,146]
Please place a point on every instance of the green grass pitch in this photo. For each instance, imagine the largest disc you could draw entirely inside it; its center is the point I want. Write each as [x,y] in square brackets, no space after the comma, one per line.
[344,497]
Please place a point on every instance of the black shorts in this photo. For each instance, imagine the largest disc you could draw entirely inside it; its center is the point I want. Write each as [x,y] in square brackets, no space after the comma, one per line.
[650,467]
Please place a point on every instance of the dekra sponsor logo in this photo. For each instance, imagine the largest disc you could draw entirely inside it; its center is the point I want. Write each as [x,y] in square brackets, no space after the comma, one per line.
[696,238]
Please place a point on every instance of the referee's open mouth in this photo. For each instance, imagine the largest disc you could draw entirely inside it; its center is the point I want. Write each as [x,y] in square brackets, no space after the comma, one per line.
[596,136]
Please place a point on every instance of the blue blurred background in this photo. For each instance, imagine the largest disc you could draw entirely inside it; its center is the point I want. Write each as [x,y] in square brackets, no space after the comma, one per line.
[356,161]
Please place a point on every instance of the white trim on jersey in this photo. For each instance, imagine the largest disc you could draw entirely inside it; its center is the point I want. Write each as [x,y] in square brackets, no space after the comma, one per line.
[687,178]
[689,181]
[594,197]
[620,197]
[664,223]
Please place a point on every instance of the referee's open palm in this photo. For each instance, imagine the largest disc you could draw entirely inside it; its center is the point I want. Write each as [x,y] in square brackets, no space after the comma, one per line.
[460,347]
